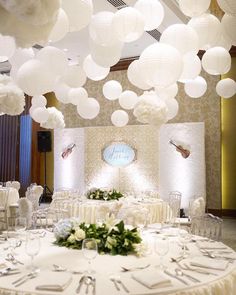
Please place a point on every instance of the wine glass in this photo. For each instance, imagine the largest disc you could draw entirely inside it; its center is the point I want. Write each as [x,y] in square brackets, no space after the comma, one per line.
[184,238]
[90,251]
[161,248]
[32,247]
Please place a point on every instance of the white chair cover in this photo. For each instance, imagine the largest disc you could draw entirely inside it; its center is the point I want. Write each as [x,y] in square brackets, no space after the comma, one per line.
[14,184]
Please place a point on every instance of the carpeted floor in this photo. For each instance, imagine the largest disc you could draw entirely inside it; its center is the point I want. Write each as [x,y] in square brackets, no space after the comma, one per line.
[229,232]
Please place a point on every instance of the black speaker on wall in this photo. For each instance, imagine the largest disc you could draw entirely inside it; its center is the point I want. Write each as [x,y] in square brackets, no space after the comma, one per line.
[44,141]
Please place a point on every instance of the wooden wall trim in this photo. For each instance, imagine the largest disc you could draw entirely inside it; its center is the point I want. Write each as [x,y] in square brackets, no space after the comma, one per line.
[223,212]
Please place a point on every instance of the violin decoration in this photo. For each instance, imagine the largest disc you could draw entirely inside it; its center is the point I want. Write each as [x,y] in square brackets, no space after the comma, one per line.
[184,152]
[68,150]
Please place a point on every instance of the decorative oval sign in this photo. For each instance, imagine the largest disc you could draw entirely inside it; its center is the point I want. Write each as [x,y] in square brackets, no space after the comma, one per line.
[118,154]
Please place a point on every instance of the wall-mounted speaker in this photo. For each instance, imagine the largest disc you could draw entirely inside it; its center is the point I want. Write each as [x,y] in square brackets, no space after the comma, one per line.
[44,141]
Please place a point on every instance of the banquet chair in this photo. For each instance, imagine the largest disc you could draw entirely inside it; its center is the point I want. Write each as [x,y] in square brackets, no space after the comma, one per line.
[26,210]
[174,205]
[4,207]
[197,207]
[33,194]
[14,184]
[207,225]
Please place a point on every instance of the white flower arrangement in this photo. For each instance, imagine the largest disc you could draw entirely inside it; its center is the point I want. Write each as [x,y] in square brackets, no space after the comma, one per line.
[55,119]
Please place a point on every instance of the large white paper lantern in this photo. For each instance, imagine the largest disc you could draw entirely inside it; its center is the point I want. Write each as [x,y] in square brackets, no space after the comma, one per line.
[40,114]
[192,68]
[7,47]
[135,76]
[39,101]
[119,118]
[61,27]
[93,70]
[79,13]
[62,92]
[35,78]
[77,95]
[208,29]
[182,37]
[226,88]
[88,109]
[128,24]
[167,92]
[173,107]
[223,40]
[194,8]
[128,99]
[229,24]
[54,58]
[75,76]
[112,89]
[161,64]
[152,11]
[20,56]
[216,61]
[196,88]
[228,6]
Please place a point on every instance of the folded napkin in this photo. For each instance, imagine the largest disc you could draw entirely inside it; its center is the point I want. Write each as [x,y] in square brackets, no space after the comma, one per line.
[210,263]
[136,264]
[53,281]
[210,245]
[152,279]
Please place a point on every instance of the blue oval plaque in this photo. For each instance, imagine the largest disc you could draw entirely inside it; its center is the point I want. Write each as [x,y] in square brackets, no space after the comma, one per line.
[118,154]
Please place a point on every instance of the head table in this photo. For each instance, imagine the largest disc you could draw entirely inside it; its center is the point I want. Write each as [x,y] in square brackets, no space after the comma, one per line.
[219,283]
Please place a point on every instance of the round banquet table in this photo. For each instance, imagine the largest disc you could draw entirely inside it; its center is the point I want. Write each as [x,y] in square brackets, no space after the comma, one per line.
[223,282]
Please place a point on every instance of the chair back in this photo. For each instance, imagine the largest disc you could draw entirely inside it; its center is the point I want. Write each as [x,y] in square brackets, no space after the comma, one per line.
[197,206]
[174,204]
[33,194]
[14,184]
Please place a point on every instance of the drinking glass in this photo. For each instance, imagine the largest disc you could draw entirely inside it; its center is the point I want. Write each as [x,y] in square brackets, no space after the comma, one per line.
[184,238]
[90,251]
[161,248]
[32,247]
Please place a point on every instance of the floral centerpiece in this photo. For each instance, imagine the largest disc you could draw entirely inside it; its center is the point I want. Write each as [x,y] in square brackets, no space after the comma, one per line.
[101,194]
[112,237]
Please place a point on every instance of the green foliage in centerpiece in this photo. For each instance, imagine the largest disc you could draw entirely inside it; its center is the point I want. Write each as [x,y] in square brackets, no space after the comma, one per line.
[100,194]
[112,237]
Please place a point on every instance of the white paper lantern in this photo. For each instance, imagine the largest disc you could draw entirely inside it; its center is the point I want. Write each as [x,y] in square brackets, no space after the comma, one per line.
[195,88]
[20,56]
[62,92]
[135,76]
[61,27]
[93,70]
[75,76]
[79,13]
[192,68]
[152,11]
[173,107]
[34,78]
[228,6]
[208,29]
[112,89]
[216,61]
[128,99]
[77,95]
[229,24]
[182,37]
[13,73]
[40,114]
[100,29]
[161,65]
[223,40]
[128,24]
[226,88]
[167,92]
[31,109]
[194,8]
[119,118]
[54,58]
[39,101]
[7,47]
[88,109]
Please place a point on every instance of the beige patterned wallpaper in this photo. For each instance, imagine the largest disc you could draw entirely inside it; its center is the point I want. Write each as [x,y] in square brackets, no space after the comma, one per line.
[205,109]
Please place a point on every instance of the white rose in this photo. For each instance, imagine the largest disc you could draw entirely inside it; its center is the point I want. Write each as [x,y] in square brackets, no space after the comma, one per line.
[79,234]
[71,239]
[111,242]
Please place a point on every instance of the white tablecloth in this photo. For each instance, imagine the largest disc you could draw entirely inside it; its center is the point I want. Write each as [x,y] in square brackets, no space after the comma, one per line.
[105,266]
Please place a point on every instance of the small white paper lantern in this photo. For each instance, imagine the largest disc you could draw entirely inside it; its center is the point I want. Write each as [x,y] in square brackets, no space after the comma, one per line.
[172,106]
[216,61]
[20,56]
[62,92]
[196,88]
[75,76]
[34,78]
[128,24]
[192,68]
[135,76]
[7,47]
[226,88]
[119,118]
[194,8]
[229,24]
[61,27]
[79,13]
[182,37]
[88,109]
[152,11]
[39,101]
[128,99]
[93,70]
[77,95]
[228,6]
[208,29]
[161,65]
[167,92]
[112,89]
[54,58]
[40,114]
